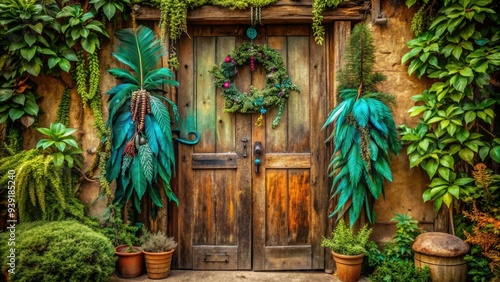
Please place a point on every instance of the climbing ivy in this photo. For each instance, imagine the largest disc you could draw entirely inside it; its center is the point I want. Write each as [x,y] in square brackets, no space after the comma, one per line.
[458,125]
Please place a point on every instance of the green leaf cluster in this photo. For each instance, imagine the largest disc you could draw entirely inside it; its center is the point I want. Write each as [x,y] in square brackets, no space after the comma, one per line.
[17,103]
[344,241]
[401,270]
[457,114]
[109,7]
[399,248]
[61,145]
[31,36]
[149,163]
[59,251]
[364,134]
[78,26]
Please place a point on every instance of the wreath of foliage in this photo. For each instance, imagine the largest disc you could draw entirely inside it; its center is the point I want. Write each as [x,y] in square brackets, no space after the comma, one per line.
[277,88]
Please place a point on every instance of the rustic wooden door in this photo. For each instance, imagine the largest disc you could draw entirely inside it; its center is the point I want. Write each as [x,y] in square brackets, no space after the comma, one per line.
[230,216]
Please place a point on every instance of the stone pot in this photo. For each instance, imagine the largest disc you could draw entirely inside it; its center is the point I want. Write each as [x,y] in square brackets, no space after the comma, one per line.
[348,267]
[444,254]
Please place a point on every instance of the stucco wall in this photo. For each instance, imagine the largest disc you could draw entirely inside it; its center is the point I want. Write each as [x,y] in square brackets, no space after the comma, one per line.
[404,194]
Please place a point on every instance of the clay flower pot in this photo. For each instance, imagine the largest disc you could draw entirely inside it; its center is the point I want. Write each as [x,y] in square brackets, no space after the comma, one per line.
[158,264]
[129,264]
[348,267]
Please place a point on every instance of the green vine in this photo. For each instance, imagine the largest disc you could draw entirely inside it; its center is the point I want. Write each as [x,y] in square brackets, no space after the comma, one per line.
[87,72]
[63,110]
[319,7]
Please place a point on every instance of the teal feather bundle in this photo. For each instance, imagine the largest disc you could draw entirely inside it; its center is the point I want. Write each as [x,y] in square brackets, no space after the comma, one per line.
[142,151]
[364,133]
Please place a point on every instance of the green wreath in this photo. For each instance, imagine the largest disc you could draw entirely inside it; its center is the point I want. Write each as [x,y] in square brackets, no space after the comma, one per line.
[277,88]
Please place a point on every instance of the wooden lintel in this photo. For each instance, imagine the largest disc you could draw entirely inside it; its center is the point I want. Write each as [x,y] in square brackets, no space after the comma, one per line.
[274,14]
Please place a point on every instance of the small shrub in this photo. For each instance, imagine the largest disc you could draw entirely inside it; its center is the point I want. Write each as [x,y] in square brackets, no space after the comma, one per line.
[406,231]
[157,242]
[61,251]
[344,241]
[400,271]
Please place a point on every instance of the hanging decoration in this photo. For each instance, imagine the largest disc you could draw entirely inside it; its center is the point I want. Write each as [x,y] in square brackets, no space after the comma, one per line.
[278,84]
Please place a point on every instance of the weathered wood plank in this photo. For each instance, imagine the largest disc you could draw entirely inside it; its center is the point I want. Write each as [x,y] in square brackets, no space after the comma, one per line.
[225,128]
[274,14]
[243,128]
[289,30]
[214,160]
[203,213]
[288,257]
[259,186]
[299,105]
[225,208]
[276,207]
[288,160]
[205,91]
[318,82]
[185,175]
[337,43]
[276,140]
[299,207]
[214,257]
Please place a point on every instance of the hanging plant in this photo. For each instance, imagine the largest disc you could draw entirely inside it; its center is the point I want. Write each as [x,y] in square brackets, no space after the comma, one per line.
[141,138]
[364,133]
[278,85]
[319,7]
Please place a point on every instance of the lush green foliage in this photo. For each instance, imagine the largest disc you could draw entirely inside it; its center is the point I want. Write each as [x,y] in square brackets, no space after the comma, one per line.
[116,230]
[278,83]
[456,129]
[398,271]
[364,133]
[38,183]
[344,241]
[157,242]
[141,137]
[60,251]
[319,7]
[406,231]
[109,7]
[17,102]
[61,145]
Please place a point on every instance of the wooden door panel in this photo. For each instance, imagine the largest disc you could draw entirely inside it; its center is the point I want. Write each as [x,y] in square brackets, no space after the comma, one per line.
[232,217]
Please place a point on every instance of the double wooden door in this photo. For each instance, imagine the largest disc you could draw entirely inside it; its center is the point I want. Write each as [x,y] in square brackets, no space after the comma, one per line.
[230,216]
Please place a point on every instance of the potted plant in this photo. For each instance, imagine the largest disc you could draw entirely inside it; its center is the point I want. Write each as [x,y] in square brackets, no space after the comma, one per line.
[130,259]
[348,250]
[158,249]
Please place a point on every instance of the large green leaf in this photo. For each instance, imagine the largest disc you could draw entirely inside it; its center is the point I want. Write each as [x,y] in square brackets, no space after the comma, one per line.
[495,153]
[139,180]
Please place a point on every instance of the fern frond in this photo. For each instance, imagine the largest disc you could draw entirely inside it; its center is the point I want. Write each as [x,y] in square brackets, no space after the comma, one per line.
[355,164]
[146,157]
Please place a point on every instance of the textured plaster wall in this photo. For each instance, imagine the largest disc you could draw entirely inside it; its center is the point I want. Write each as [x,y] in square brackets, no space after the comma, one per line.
[404,194]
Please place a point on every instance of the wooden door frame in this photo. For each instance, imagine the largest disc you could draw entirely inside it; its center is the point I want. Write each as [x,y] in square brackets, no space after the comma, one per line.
[286,11]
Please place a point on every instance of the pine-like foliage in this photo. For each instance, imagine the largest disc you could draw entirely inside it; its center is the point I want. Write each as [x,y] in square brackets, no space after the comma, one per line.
[141,137]
[364,133]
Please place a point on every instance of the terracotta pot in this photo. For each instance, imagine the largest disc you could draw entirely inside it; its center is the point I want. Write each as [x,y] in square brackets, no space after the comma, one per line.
[129,264]
[348,267]
[158,264]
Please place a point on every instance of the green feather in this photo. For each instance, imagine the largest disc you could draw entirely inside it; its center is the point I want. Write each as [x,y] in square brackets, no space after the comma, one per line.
[139,180]
[361,112]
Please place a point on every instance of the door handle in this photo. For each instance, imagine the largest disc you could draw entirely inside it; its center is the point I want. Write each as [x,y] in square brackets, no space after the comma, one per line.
[244,140]
[257,149]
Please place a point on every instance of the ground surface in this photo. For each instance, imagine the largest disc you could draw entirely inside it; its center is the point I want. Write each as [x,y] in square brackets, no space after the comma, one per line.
[240,276]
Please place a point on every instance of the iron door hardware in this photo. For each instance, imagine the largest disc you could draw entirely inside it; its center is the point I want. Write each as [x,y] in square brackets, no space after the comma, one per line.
[257,149]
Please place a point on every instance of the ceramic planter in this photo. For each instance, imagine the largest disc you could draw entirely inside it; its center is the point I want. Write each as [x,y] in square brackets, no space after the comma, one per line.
[129,264]
[348,267]
[158,264]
